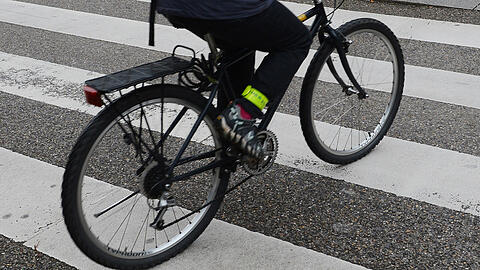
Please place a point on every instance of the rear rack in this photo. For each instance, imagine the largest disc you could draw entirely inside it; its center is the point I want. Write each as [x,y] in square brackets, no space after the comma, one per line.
[140,74]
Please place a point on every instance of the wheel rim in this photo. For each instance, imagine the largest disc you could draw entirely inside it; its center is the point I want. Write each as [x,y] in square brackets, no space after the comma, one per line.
[115,233]
[344,124]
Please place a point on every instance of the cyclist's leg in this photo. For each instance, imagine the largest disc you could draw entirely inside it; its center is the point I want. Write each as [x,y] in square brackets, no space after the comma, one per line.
[275,30]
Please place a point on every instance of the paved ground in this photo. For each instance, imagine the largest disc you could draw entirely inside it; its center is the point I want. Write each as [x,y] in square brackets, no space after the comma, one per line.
[465,4]
[411,204]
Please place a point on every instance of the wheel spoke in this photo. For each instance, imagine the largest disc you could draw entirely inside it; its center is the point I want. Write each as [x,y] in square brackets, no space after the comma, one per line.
[346,141]
[183,213]
[146,226]
[155,231]
[116,204]
[330,107]
[149,129]
[208,137]
[137,141]
[163,136]
[119,226]
[175,216]
[140,129]
[140,231]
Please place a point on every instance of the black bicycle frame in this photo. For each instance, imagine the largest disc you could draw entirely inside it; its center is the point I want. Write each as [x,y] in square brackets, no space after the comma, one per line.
[319,26]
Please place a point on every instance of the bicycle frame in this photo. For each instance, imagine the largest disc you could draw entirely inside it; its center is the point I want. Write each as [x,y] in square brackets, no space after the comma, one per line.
[329,39]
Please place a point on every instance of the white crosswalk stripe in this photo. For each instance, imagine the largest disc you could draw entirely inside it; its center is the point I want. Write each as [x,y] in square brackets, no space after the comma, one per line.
[408,169]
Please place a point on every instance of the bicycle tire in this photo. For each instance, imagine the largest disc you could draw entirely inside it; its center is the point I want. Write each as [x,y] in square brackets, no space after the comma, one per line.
[88,158]
[317,114]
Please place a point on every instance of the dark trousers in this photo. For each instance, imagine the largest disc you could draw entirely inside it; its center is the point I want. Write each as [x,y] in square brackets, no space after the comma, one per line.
[275,30]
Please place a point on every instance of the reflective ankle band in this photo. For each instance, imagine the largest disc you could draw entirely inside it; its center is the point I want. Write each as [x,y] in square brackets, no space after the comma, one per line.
[256,97]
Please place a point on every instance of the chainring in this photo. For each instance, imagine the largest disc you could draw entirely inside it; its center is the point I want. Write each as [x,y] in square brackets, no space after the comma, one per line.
[259,166]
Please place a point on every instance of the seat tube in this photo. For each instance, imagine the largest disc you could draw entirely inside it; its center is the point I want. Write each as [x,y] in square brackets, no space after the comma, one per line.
[192,132]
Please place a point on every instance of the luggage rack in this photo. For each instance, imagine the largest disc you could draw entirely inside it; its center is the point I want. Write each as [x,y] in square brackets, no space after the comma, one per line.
[141,74]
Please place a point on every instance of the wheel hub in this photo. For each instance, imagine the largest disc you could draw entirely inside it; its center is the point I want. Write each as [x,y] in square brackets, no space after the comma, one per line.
[153,174]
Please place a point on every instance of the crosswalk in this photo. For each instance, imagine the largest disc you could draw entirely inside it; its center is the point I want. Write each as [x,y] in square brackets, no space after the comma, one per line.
[412,203]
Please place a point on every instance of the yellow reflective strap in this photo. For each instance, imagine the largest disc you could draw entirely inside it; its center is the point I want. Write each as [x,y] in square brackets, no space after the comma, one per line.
[256,97]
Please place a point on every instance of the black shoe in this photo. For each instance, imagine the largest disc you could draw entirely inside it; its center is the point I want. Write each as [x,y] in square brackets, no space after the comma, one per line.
[240,131]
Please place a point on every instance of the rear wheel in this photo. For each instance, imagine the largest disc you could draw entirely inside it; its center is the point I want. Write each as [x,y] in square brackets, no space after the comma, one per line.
[112,165]
[338,126]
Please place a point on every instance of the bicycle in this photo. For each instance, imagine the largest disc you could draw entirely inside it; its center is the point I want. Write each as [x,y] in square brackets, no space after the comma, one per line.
[173,192]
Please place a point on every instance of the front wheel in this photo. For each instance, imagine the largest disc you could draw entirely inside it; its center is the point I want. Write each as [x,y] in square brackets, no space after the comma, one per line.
[109,206]
[338,126]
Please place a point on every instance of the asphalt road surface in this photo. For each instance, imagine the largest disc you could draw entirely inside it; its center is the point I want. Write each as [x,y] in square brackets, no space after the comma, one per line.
[413,203]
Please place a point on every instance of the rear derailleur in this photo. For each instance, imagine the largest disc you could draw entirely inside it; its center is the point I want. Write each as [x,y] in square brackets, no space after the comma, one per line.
[165,201]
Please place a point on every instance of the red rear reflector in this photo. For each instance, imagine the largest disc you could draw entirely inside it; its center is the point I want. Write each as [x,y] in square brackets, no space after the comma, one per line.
[92,96]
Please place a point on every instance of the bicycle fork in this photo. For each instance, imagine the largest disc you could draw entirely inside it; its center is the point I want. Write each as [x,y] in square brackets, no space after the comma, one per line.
[338,41]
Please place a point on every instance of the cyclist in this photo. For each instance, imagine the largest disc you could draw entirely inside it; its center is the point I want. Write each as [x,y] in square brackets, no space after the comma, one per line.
[264,25]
